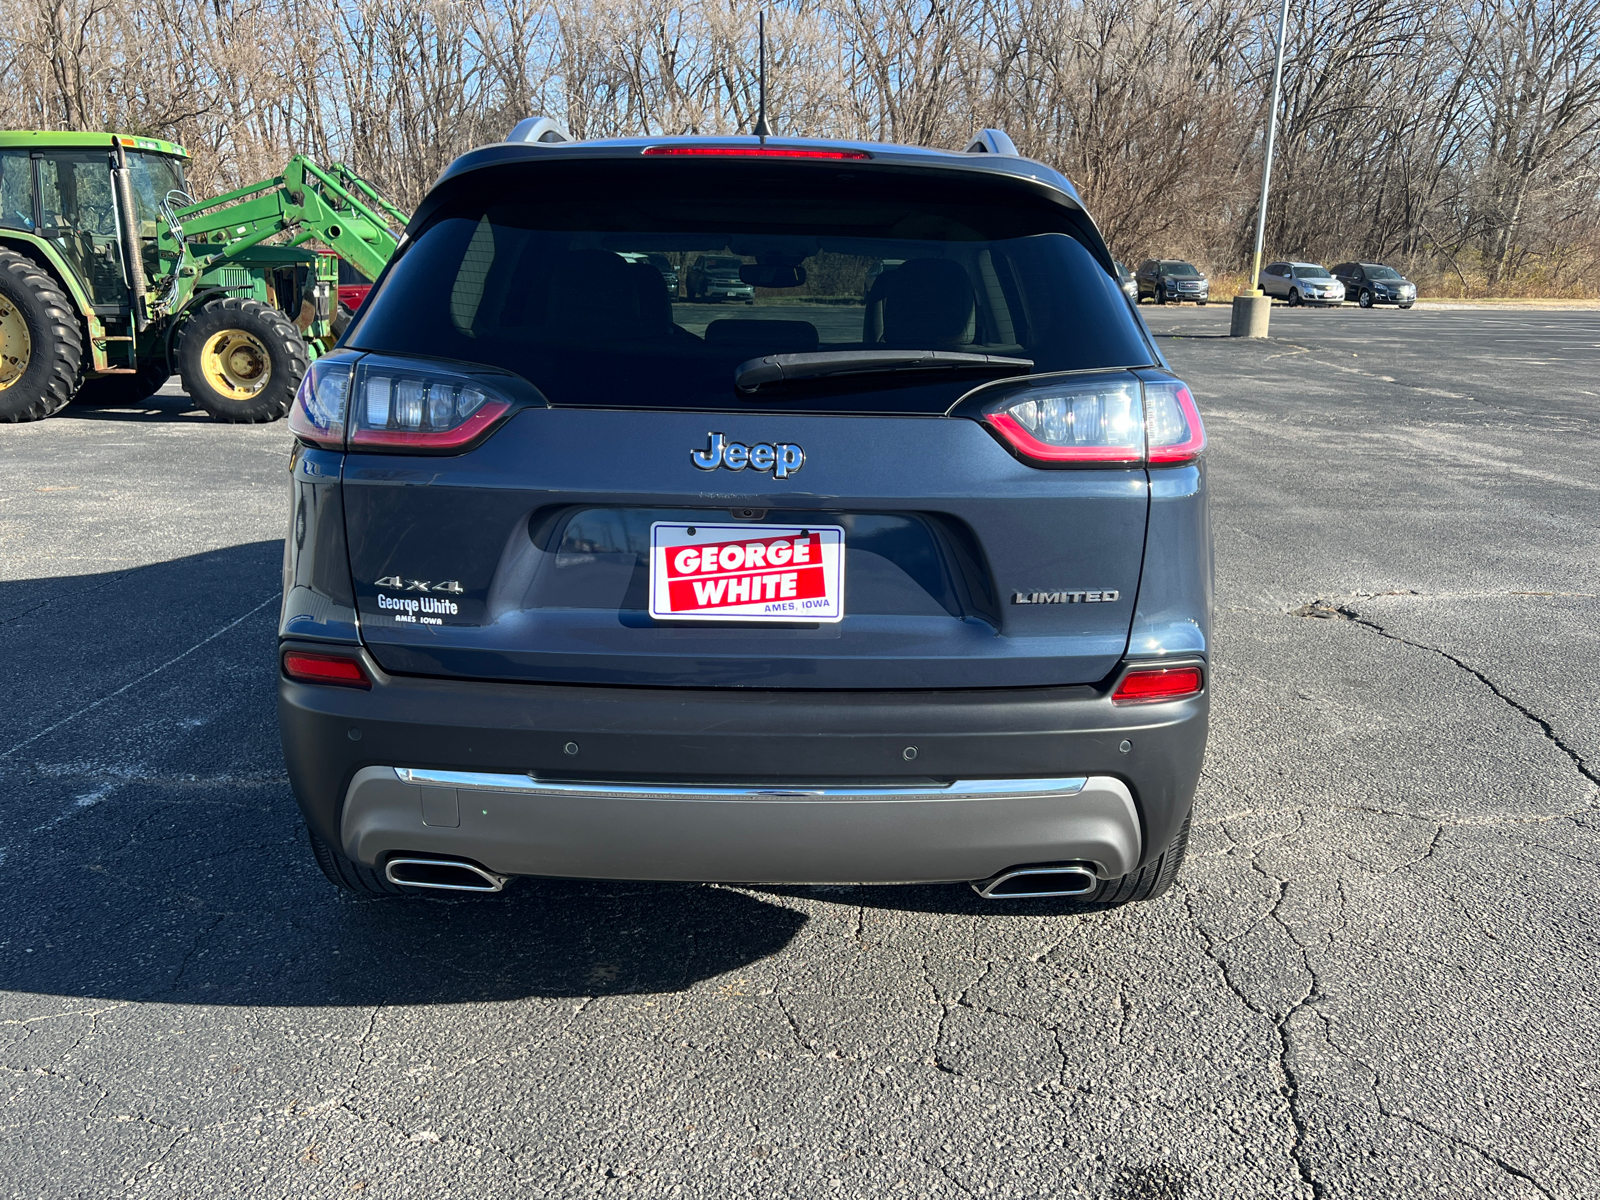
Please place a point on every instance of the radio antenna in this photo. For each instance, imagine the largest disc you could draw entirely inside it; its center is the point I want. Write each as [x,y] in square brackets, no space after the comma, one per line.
[762,129]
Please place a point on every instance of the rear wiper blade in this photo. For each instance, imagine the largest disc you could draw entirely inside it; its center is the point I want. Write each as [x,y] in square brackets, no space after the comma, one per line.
[781,368]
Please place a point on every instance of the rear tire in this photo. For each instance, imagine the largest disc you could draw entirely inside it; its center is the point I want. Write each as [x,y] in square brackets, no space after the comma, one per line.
[1153,879]
[349,875]
[242,361]
[41,342]
[342,317]
[112,390]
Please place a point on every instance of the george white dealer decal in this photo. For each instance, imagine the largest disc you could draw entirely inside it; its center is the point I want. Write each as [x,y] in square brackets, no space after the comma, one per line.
[426,610]
[1102,597]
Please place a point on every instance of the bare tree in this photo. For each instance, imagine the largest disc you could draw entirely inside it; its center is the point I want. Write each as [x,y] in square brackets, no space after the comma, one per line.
[1460,137]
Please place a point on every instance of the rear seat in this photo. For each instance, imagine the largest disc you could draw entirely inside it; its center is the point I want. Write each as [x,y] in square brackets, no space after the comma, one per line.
[762,337]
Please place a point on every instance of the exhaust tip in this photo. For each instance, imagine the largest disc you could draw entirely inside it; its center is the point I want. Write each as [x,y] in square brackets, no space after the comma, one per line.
[442,874]
[1037,883]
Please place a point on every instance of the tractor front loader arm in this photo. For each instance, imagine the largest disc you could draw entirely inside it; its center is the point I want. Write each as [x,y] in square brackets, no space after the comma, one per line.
[305,203]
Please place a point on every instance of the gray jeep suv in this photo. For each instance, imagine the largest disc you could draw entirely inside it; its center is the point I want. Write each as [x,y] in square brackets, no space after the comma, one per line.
[902,574]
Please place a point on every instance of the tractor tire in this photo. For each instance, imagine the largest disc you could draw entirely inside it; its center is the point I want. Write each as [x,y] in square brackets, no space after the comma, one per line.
[242,361]
[342,316]
[108,391]
[41,342]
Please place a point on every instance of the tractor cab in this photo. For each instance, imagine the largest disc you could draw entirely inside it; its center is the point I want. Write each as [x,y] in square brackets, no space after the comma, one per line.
[59,187]
[112,276]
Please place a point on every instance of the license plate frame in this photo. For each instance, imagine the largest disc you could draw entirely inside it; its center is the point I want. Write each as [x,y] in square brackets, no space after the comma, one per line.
[811,557]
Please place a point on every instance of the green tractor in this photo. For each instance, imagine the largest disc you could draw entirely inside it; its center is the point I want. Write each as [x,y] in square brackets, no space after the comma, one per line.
[112,278]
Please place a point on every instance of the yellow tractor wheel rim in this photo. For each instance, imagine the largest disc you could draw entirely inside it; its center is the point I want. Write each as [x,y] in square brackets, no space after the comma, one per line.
[16,347]
[236,364]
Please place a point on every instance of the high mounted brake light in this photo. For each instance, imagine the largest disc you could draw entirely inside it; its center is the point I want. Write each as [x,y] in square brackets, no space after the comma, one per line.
[753,152]
[1098,421]
[1150,685]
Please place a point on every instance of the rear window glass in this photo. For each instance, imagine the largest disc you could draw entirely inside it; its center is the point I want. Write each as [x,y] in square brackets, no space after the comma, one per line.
[648,288]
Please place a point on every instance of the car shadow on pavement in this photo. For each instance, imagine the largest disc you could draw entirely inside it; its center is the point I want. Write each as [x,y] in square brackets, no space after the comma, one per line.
[152,849]
[952,898]
[268,931]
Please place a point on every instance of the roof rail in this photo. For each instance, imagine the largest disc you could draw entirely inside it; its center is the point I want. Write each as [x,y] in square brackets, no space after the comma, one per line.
[991,141]
[547,130]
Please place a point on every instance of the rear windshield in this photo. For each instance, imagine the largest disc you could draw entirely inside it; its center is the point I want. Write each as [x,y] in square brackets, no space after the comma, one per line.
[647,287]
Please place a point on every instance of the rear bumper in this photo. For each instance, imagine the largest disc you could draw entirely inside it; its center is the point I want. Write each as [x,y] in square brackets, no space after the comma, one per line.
[514,825]
[342,747]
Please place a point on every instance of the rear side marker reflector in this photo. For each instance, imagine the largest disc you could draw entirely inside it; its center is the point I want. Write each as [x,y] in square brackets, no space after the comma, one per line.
[325,668]
[1144,685]
[753,152]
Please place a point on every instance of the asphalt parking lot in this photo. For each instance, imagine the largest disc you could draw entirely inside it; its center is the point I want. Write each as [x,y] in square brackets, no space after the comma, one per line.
[1377,977]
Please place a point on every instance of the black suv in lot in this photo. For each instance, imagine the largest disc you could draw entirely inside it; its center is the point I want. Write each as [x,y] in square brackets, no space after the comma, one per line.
[1170,281]
[902,574]
[1374,283]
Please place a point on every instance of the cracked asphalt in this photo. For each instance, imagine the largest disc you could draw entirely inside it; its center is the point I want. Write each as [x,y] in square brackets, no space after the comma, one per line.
[1376,978]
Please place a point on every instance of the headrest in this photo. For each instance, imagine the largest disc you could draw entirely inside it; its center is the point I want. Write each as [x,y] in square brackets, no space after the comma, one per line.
[924,303]
[598,296]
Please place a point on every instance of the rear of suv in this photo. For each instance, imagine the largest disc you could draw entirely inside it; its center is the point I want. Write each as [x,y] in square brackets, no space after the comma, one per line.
[903,574]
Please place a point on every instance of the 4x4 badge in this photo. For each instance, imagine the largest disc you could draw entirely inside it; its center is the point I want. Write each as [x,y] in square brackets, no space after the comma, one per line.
[449,586]
[783,459]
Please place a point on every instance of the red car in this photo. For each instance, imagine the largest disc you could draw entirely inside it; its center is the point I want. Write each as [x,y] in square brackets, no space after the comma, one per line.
[353,285]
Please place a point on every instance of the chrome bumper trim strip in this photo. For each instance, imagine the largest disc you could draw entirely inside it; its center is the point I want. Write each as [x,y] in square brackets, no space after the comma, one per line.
[528,785]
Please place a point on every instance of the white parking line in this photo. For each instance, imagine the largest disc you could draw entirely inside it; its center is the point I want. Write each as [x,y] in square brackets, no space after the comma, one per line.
[135,682]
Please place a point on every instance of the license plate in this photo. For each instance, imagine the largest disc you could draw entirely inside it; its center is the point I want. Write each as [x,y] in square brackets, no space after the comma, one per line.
[746,572]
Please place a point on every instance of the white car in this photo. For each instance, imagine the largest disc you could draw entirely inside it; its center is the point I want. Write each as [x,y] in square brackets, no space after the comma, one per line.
[1302,283]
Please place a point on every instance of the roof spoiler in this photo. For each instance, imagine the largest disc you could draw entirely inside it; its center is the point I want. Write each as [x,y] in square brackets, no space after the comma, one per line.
[546,130]
[988,141]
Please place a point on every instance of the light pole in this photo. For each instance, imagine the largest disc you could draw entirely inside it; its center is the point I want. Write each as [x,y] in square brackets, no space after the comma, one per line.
[1252,307]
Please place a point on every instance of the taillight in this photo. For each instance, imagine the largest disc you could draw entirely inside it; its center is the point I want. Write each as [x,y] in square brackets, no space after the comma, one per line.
[319,407]
[1098,420]
[754,152]
[1094,421]
[1172,423]
[1147,685]
[401,407]
[336,669]
[398,405]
